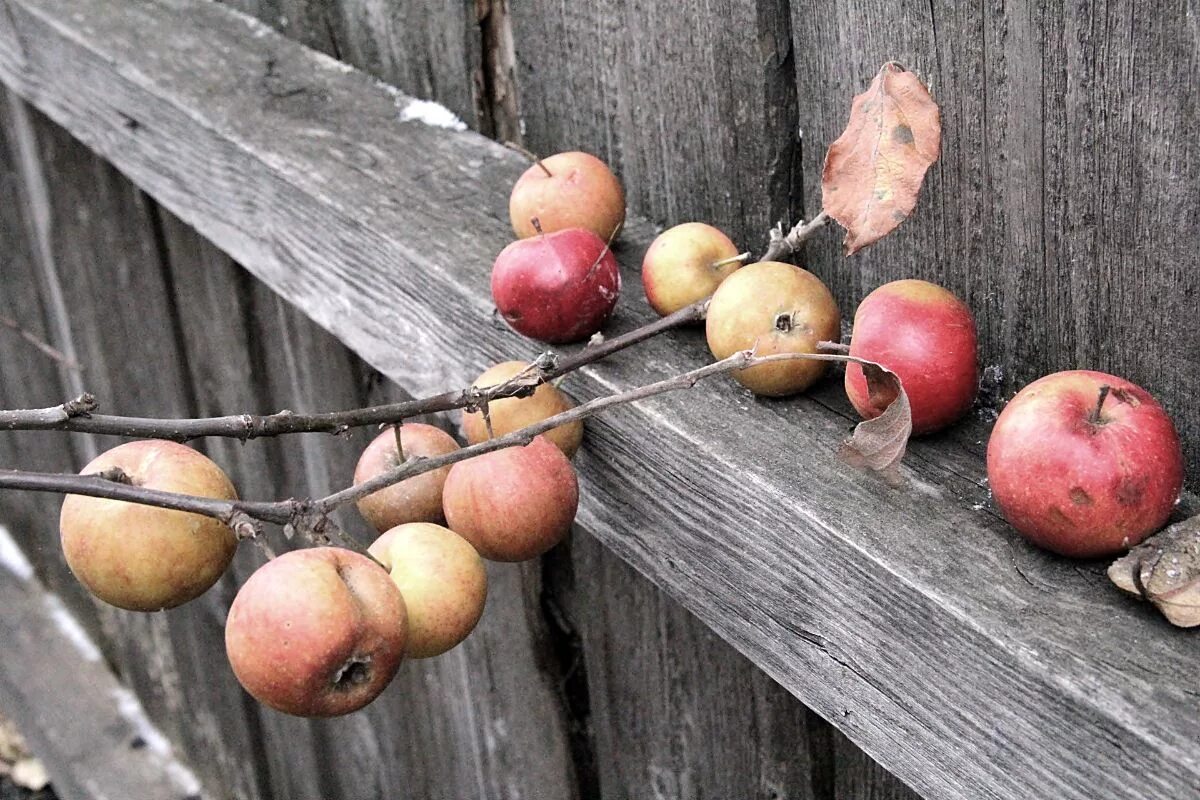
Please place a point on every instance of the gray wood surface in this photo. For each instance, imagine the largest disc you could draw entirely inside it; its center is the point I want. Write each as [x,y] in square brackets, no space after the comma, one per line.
[966,662]
[94,746]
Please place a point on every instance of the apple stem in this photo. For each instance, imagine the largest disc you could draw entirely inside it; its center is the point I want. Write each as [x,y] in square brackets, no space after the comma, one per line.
[532,156]
[1095,418]
[739,258]
[537,225]
[399,442]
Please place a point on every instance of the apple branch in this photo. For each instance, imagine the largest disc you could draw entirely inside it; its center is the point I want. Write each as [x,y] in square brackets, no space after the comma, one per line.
[51,352]
[782,245]
[313,515]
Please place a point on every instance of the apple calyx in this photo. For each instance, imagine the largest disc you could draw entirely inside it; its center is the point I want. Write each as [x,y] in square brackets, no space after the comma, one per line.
[116,475]
[355,672]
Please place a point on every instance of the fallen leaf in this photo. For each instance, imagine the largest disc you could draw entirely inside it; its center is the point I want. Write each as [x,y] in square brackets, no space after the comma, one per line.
[873,172]
[879,444]
[1165,569]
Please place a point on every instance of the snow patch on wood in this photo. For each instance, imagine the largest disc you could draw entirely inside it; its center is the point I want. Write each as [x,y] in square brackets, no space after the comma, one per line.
[431,113]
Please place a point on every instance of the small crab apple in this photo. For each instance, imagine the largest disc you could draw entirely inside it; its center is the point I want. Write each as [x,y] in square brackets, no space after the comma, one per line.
[140,557]
[925,335]
[1084,464]
[443,581]
[317,632]
[567,190]
[417,499]
[559,287]
[686,264]
[771,307]
[509,414]
[513,504]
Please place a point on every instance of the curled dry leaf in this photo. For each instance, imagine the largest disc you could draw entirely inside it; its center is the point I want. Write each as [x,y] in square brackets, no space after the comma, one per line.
[1165,569]
[874,170]
[878,444]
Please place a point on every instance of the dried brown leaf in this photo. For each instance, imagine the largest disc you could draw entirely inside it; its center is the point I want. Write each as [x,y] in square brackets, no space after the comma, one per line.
[874,171]
[1165,569]
[878,444]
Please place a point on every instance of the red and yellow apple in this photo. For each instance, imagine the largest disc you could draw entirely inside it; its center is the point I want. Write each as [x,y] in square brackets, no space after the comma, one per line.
[1084,464]
[443,581]
[772,307]
[567,190]
[556,288]
[925,335]
[317,632]
[509,414]
[686,264]
[141,557]
[417,499]
[513,504]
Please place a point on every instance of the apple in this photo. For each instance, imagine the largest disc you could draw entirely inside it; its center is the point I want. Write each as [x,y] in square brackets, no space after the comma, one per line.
[1084,464]
[417,499]
[509,414]
[772,307]
[567,190]
[140,557]
[925,335]
[443,581]
[317,632]
[513,504]
[556,288]
[686,264]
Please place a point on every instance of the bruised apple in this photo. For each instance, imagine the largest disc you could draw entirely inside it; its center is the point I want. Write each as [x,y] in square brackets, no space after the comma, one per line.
[556,288]
[317,632]
[925,335]
[513,504]
[686,264]
[567,190]
[417,499]
[772,307]
[509,414]
[1084,464]
[443,581]
[144,558]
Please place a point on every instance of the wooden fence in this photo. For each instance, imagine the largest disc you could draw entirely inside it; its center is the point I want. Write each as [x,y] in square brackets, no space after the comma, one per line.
[1063,210]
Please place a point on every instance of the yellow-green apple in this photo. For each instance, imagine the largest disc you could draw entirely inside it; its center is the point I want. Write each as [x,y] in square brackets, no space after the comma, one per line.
[317,632]
[772,307]
[140,557]
[686,264]
[560,287]
[1084,464]
[443,581]
[925,335]
[515,503]
[567,190]
[418,499]
[513,413]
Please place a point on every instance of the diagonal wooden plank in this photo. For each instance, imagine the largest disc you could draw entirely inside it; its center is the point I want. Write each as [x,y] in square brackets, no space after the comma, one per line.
[965,662]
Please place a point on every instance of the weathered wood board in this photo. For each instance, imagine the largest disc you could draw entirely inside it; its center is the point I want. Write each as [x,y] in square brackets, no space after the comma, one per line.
[923,628]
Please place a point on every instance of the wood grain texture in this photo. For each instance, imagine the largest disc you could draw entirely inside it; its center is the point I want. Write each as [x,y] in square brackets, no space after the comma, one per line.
[966,662]
[92,747]
[1063,206]
[692,103]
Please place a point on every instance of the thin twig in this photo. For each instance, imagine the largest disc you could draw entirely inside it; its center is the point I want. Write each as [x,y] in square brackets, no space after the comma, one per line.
[312,515]
[783,244]
[77,415]
[43,347]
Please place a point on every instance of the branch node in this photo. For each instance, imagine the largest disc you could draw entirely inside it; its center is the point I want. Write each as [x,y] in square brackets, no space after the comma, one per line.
[81,406]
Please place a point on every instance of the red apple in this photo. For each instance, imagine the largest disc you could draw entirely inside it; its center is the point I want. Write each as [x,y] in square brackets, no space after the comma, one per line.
[443,581]
[925,335]
[513,504]
[317,632]
[1085,464]
[568,190]
[509,414]
[418,499]
[144,558]
[686,264]
[772,307]
[560,287]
